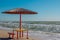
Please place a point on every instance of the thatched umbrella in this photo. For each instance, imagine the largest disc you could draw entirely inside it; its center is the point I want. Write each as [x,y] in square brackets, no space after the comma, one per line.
[20,11]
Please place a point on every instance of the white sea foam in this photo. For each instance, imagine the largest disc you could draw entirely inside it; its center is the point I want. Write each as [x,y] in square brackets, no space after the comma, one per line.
[5,28]
[43,35]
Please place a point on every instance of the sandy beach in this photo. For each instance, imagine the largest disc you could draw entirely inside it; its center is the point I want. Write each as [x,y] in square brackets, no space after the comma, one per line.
[3,34]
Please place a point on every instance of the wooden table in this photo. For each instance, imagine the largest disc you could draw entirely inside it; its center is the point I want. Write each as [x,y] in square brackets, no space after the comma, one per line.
[18,30]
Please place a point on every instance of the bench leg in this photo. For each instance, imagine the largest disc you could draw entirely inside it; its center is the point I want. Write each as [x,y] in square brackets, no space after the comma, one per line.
[9,35]
[12,36]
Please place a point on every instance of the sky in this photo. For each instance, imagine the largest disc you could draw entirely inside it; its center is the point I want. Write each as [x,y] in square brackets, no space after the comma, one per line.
[48,10]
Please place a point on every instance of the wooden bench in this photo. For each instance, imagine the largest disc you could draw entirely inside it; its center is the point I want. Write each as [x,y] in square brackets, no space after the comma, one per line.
[11,34]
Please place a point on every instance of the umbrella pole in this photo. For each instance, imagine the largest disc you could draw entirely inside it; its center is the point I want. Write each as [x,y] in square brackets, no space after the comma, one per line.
[27,33]
[20,25]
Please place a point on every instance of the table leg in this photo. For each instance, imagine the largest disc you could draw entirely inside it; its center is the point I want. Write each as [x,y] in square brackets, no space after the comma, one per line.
[17,34]
[22,33]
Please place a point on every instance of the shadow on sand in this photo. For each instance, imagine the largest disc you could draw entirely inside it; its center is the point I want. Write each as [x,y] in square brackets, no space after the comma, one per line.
[5,38]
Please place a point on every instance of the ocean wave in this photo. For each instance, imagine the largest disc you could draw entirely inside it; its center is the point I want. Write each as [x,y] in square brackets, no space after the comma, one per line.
[5,28]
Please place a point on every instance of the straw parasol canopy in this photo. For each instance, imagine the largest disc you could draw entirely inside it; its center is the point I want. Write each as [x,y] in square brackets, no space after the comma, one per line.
[19,11]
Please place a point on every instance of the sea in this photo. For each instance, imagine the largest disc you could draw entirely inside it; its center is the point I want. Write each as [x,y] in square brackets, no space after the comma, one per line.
[44,30]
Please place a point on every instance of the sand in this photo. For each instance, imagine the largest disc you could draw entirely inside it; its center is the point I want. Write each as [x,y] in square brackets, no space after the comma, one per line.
[3,34]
